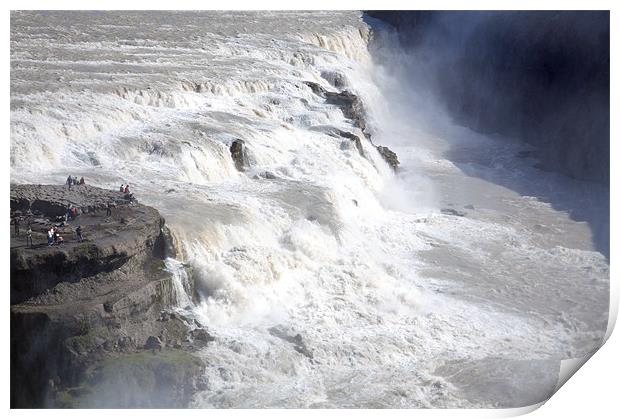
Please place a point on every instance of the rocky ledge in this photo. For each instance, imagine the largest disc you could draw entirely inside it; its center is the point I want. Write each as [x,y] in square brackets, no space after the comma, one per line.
[353,109]
[95,323]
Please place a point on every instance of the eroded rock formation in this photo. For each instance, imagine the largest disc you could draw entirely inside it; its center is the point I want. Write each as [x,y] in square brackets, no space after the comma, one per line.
[239,155]
[352,108]
[83,313]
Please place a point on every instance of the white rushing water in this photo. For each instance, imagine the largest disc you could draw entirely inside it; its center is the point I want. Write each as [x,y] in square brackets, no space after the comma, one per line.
[398,303]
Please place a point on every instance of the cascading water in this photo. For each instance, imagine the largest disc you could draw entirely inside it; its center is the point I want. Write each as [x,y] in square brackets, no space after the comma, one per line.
[395,297]
[180,282]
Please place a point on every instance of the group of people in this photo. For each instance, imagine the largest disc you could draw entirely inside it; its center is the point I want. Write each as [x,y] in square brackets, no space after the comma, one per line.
[128,195]
[54,237]
[53,234]
[73,180]
[72,213]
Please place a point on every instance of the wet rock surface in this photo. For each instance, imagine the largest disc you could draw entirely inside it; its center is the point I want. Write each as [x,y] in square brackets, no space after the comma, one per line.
[353,108]
[239,155]
[389,156]
[349,103]
[355,139]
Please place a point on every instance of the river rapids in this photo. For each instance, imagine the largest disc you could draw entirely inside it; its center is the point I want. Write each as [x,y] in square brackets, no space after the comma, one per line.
[451,282]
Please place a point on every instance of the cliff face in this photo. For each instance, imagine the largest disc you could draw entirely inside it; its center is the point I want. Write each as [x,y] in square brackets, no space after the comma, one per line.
[542,77]
[130,232]
[81,309]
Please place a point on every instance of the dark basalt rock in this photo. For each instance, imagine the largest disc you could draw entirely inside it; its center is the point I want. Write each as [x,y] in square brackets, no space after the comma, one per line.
[201,336]
[355,139]
[133,231]
[389,156]
[153,343]
[239,155]
[316,88]
[350,104]
[76,307]
[53,200]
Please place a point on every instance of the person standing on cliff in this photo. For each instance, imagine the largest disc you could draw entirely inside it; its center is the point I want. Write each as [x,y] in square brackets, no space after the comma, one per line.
[78,231]
[29,237]
[50,237]
[108,210]
[55,234]
[69,181]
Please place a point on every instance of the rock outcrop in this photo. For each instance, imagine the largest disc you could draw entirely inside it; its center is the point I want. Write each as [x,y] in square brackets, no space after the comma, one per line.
[349,103]
[352,108]
[81,307]
[131,231]
[389,156]
[167,378]
[355,139]
[239,155]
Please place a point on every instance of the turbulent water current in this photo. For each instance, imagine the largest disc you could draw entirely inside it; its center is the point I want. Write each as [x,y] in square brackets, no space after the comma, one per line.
[460,280]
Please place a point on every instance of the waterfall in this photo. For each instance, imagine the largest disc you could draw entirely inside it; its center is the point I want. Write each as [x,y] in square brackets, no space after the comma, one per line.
[180,282]
[326,278]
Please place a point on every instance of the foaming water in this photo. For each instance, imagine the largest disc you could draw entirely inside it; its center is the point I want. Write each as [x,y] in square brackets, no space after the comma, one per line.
[388,294]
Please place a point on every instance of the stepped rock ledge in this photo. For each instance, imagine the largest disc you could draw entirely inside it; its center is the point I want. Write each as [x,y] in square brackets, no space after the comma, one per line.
[83,313]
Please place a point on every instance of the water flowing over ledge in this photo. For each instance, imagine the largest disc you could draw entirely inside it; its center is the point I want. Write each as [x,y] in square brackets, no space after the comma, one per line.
[325,278]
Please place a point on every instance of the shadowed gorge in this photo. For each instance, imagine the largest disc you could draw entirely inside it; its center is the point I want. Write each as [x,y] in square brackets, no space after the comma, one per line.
[401,211]
[541,77]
